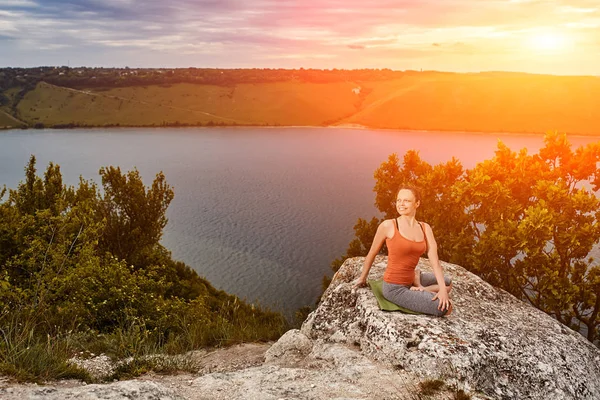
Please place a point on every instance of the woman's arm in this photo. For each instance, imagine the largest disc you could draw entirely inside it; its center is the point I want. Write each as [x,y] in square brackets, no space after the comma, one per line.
[434,261]
[378,240]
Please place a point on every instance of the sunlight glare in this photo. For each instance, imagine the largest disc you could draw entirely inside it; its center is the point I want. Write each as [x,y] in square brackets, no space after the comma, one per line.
[548,42]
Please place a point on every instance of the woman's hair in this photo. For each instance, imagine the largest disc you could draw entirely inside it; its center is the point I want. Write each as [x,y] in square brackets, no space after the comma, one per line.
[413,189]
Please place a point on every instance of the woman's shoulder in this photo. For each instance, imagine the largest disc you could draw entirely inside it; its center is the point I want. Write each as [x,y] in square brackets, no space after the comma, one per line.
[425,226]
[388,225]
[423,223]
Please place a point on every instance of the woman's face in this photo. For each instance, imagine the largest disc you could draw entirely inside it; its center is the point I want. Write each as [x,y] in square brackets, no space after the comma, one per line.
[406,204]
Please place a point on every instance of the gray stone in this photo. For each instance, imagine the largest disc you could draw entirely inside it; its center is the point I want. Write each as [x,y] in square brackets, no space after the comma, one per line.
[99,367]
[290,349]
[492,341]
[114,391]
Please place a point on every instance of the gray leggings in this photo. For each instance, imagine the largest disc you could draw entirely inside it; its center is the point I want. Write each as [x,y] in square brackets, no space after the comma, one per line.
[413,299]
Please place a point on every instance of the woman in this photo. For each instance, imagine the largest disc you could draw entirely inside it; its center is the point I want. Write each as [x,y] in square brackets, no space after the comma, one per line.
[407,239]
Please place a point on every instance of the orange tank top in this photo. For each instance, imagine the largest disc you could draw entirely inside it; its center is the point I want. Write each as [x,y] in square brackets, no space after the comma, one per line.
[403,257]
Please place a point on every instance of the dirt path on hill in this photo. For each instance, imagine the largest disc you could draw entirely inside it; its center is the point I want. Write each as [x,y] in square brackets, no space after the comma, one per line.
[13,118]
[89,93]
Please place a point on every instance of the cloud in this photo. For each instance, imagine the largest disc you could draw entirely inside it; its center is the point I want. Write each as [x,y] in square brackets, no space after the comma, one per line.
[223,33]
[18,3]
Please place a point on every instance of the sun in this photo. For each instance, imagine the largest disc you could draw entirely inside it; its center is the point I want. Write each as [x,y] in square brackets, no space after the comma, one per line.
[547,42]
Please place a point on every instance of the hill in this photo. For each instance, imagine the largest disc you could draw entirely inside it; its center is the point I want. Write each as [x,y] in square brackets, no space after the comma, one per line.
[485,102]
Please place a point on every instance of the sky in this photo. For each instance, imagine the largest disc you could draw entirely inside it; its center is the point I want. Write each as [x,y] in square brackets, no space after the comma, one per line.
[550,37]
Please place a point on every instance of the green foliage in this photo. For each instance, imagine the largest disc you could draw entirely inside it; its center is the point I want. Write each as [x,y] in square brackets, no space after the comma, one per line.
[439,207]
[85,77]
[30,357]
[81,270]
[134,217]
[525,223]
[301,315]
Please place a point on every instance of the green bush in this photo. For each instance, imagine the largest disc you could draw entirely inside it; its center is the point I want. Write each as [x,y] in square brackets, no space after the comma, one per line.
[86,271]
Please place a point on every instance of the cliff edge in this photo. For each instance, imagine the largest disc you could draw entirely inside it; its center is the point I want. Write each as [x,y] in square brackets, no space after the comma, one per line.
[493,346]
[492,342]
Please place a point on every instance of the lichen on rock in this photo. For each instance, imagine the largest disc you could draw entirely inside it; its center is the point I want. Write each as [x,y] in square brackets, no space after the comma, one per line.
[492,341]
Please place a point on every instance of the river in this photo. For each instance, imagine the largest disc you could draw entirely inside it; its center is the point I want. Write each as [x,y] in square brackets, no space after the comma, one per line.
[259,212]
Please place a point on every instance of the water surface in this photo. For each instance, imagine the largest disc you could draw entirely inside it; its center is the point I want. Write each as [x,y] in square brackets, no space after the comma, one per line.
[260,212]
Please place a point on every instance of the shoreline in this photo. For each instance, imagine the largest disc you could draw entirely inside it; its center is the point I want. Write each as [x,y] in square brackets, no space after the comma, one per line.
[341,126]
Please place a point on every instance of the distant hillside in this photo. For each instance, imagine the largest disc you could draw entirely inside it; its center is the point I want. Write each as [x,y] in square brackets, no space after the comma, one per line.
[8,121]
[285,103]
[487,102]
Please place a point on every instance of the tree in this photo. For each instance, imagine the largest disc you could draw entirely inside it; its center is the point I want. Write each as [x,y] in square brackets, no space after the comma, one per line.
[440,206]
[134,215]
[525,223]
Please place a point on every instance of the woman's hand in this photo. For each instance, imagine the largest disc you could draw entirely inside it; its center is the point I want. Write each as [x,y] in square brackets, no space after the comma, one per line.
[360,282]
[444,300]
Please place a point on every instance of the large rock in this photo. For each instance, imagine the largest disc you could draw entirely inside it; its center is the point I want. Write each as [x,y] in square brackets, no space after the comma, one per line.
[492,341]
[330,371]
[290,349]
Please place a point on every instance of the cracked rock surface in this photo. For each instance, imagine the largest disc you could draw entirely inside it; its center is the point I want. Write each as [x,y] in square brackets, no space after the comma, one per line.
[492,341]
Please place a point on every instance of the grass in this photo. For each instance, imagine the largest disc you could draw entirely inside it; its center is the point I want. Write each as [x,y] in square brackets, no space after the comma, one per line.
[432,387]
[285,103]
[137,350]
[461,395]
[6,120]
[160,364]
[33,358]
[28,355]
[486,102]
[428,388]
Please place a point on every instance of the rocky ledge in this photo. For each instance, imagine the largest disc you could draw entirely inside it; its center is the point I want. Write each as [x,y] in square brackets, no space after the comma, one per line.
[492,342]
[492,347]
